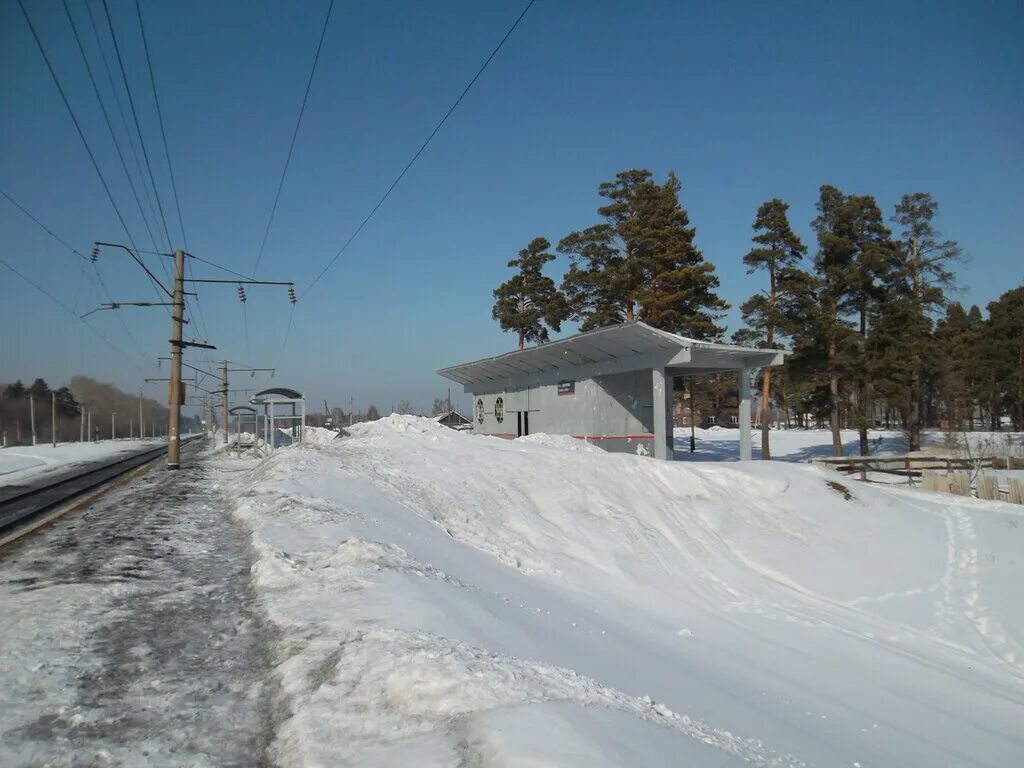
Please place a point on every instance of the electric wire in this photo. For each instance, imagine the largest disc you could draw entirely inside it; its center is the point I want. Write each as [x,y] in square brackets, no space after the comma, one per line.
[160,120]
[124,119]
[295,134]
[135,117]
[106,118]
[85,143]
[70,311]
[420,151]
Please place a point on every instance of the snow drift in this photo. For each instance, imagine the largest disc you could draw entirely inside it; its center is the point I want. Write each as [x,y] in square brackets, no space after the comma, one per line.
[444,597]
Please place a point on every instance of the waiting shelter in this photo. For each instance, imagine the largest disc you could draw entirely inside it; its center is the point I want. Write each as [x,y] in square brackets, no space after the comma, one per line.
[247,414]
[612,386]
[282,398]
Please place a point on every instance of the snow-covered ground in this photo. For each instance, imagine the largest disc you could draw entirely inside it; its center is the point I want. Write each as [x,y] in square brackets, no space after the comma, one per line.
[445,599]
[27,462]
[723,443]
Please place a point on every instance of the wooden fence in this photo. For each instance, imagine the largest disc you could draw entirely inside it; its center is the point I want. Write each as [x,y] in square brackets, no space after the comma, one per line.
[946,474]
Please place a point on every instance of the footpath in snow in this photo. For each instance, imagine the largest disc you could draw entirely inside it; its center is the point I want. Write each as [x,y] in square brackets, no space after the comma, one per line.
[444,599]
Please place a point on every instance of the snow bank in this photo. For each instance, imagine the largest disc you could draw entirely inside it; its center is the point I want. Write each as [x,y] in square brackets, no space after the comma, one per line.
[446,599]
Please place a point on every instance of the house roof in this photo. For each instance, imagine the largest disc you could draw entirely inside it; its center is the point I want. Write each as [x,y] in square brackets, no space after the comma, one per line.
[633,346]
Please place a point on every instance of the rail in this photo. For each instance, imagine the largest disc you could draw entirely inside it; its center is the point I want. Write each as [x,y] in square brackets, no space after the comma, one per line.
[22,508]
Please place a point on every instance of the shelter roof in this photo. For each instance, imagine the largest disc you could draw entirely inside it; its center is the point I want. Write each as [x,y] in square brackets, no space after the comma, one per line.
[632,346]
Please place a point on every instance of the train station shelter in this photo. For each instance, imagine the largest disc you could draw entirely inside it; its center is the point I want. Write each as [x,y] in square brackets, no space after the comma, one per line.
[283,398]
[612,386]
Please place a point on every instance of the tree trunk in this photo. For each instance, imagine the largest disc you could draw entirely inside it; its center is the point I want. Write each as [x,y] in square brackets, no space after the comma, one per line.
[833,388]
[522,339]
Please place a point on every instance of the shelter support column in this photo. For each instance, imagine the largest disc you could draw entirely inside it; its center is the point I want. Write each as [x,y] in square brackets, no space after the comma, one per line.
[744,392]
[662,399]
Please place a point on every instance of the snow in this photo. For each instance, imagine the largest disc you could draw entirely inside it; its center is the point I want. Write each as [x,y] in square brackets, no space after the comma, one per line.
[723,444]
[21,463]
[442,598]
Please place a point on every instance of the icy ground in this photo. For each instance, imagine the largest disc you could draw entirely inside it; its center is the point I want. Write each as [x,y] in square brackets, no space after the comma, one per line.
[28,462]
[442,599]
[128,635]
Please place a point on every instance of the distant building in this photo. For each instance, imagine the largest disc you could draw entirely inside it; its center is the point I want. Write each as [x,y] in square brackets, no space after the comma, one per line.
[611,386]
[454,419]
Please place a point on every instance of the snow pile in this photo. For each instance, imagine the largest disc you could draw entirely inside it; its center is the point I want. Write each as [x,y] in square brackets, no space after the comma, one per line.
[318,435]
[449,599]
[561,442]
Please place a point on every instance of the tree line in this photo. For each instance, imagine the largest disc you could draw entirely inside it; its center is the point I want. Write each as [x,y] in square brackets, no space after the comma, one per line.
[74,401]
[875,336]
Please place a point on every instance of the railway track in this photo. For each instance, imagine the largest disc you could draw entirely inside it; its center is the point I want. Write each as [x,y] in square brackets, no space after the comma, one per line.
[25,510]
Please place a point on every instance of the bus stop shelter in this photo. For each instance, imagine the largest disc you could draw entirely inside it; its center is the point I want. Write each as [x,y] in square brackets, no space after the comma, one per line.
[292,412]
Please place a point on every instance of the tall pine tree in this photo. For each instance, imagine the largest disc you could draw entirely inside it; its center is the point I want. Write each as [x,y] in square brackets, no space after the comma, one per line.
[528,302]
[641,262]
[778,250]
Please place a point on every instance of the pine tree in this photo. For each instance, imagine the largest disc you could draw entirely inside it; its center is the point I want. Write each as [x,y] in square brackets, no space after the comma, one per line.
[641,262]
[921,265]
[372,414]
[778,250]
[528,302]
[1005,353]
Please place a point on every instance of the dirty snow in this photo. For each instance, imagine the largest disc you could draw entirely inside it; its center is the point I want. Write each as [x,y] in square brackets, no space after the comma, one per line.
[448,599]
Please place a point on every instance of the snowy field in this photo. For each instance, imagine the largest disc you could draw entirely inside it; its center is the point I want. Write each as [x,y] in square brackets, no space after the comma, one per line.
[723,444]
[442,599]
[27,462]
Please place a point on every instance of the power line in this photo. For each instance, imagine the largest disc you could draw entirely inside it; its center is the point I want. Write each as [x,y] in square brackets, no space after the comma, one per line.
[124,119]
[421,149]
[45,228]
[78,127]
[295,134]
[70,311]
[160,120]
[106,117]
[85,143]
[135,117]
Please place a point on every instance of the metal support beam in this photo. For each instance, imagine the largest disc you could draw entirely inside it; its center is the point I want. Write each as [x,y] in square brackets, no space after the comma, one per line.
[744,381]
[661,392]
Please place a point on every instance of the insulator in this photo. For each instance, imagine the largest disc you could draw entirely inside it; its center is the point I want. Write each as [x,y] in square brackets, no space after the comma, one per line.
[291,294]
[95,254]
[241,293]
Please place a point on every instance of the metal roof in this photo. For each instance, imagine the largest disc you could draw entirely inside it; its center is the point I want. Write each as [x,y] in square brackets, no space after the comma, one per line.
[241,409]
[276,394]
[635,340]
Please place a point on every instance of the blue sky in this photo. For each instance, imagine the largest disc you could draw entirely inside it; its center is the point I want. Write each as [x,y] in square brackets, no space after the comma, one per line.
[744,101]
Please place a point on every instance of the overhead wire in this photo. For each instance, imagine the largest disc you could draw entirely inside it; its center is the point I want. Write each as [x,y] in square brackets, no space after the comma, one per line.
[420,151]
[138,128]
[85,143]
[295,134]
[160,121]
[124,119]
[106,118]
[70,311]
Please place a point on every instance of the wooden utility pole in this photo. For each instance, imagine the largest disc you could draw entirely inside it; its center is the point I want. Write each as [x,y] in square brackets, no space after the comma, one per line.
[177,317]
[224,392]
[53,417]
[81,424]
[90,425]
[142,425]
[32,416]
[113,434]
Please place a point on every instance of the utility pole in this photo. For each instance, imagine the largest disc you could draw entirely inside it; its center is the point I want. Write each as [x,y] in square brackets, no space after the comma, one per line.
[142,425]
[131,429]
[32,416]
[113,434]
[90,425]
[224,393]
[53,417]
[81,423]
[177,316]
